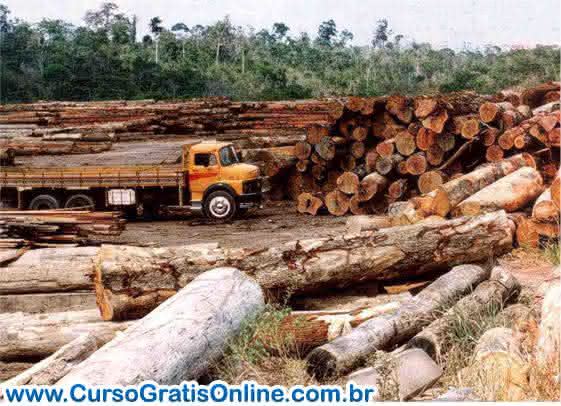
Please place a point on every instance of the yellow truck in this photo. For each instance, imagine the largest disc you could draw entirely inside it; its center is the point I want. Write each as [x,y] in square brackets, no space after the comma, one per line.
[210,179]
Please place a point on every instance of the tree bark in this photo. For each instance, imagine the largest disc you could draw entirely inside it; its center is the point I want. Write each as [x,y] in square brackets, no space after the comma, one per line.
[488,296]
[450,194]
[181,339]
[49,270]
[344,353]
[36,336]
[131,281]
[511,193]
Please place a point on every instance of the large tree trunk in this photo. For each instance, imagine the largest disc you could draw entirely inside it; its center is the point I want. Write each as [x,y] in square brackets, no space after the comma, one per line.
[343,353]
[488,296]
[50,370]
[131,281]
[33,337]
[450,194]
[511,193]
[49,270]
[179,340]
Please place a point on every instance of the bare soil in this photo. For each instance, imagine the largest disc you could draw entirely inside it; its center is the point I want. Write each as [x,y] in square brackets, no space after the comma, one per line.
[276,223]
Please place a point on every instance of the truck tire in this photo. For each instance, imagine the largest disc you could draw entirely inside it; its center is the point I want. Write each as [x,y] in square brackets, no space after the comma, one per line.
[80,201]
[220,206]
[44,202]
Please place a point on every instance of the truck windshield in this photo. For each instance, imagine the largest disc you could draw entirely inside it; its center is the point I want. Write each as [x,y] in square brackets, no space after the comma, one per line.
[228,156]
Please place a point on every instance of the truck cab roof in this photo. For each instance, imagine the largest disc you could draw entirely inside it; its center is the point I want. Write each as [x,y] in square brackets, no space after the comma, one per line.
[207,147]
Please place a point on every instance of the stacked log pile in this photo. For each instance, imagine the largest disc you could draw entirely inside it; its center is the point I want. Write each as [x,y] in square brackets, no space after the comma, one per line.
[68,127]
[48,228]
[389,149]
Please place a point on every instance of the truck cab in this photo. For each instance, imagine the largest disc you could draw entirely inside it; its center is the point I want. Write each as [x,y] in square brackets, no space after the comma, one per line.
[220,185]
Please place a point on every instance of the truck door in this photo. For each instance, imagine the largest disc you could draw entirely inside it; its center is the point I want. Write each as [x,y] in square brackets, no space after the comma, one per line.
[204,172]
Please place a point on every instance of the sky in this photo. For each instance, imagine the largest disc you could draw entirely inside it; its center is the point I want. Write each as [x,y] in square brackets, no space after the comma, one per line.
[442,23]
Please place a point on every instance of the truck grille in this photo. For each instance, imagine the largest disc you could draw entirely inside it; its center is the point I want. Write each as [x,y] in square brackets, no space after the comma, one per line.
[252,186]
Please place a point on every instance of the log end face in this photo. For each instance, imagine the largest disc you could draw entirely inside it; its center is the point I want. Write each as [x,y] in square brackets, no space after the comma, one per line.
[321,364]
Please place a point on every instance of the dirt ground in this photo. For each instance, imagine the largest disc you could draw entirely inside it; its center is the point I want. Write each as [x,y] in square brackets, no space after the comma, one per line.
[276,223]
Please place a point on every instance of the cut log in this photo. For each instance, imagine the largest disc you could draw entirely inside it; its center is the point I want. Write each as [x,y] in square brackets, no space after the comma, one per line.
[49,270]
[425,138]
[435,155]
[487,296]
[337,203]
[470,128]
[511,193]
[359,133]
[185,336]
[417,164]
[381,333]
[33,337]
[130,281]
[348,183]
[401,108]
[492,112]
[490,136]
[370,185]
[494,153]
[385,165]
[405,143]
[446,141]
[306,330]
[304,202]
[436,122]
[452,193]
[545,208]
[53,368]
[358,149]
[386,148]
[429,181]
[370,160]
[397,189]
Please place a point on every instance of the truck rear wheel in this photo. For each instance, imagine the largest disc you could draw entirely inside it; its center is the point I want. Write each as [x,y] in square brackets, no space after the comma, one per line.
[81,201]
[44,202]
[220,205]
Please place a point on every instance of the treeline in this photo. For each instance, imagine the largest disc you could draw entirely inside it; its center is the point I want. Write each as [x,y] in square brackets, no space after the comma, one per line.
[104,59]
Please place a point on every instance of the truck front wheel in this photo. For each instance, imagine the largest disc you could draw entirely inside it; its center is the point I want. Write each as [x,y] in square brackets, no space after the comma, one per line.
[44,202]
[220,205]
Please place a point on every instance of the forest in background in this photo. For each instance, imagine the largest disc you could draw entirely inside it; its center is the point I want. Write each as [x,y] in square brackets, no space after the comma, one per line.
[104,59]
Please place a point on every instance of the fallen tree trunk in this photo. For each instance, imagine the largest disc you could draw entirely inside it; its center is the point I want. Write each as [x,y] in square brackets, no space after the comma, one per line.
[49,270]
[488,296]
[511,193]
[131,281]
[179,340]
[33,337]
[47,302]
[53,368]
[450,194]
[343,353]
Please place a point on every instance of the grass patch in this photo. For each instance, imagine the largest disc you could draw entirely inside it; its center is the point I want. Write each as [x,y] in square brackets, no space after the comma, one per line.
[262,354]
[551,252]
